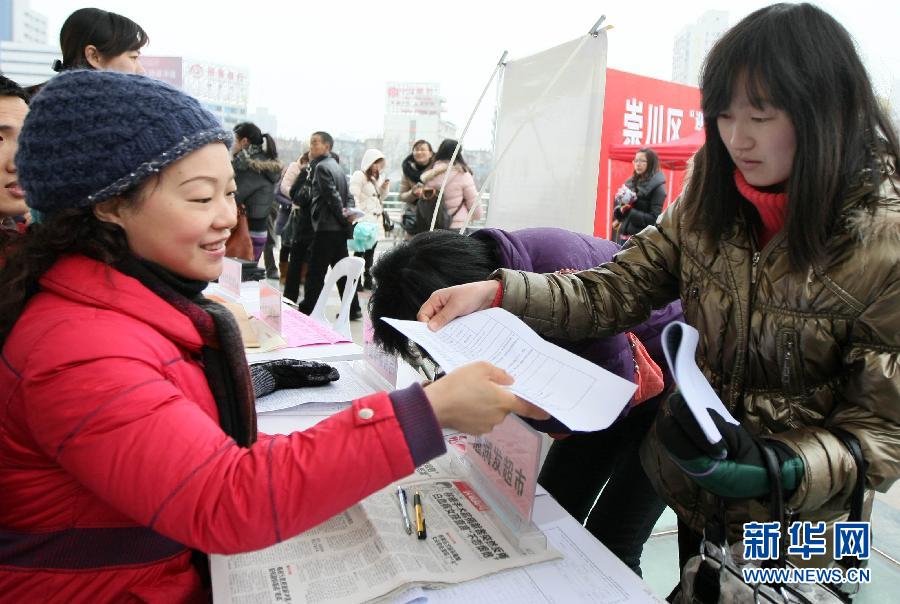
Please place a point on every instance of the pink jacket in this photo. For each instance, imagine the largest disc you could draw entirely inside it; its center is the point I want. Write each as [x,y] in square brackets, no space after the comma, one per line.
[112,462]
[460,190]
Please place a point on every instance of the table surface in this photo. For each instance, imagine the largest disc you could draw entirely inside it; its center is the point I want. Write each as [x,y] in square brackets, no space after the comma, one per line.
[588,571]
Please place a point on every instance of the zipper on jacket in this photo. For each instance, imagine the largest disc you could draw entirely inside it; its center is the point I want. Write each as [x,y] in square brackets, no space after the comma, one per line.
[786,365]
[755,264]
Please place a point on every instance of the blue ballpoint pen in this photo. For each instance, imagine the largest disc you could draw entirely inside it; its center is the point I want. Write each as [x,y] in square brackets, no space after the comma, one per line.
[401,496]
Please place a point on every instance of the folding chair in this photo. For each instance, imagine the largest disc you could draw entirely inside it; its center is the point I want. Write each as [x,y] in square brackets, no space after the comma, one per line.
[351,268]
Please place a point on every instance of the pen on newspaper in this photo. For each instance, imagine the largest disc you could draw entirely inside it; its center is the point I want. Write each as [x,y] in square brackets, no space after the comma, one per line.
[401,496]
[420,516]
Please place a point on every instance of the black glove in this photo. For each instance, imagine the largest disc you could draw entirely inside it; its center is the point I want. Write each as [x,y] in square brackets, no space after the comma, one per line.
[290,373]
[732,467]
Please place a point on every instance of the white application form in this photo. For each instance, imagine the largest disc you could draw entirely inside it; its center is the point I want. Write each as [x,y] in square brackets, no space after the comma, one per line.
[680,347]
[580,394]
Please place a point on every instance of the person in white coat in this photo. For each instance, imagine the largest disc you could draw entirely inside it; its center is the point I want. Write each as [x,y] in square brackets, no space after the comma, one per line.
[369,188]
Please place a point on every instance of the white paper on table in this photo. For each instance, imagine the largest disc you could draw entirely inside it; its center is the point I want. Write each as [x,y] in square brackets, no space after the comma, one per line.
[588,573]
[680,347]
[349,387]
[580,394]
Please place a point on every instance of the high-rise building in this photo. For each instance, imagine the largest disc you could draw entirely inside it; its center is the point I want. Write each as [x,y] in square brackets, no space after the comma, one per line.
[693,43]
[412,111]
[18,23]
[25,55]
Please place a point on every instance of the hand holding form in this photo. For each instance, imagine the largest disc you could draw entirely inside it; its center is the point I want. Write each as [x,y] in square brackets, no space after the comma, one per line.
[446,304]
[472,399]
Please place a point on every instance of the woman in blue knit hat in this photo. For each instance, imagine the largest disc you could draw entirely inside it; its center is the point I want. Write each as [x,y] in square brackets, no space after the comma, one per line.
[129,431]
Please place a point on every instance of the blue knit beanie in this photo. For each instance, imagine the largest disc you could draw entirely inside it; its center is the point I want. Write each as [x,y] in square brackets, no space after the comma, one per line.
[91,135]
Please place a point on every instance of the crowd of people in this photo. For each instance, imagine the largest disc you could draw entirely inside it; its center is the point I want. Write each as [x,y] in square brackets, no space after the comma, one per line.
[127,455]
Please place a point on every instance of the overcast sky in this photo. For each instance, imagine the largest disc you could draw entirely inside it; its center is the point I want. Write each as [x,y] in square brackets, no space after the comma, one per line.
[324,65]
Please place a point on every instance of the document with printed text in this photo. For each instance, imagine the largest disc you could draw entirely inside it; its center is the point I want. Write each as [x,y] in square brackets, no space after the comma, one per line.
[580,394]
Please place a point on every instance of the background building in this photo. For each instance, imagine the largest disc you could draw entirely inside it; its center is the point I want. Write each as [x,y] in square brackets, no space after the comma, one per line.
[693,42]
[267,121]
[25,55]
[412,111]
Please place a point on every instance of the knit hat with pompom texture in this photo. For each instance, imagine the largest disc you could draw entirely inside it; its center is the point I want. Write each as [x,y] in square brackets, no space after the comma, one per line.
[91,135]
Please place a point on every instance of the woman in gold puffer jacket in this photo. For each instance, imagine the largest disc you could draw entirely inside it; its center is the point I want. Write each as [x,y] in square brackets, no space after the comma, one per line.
[785,252]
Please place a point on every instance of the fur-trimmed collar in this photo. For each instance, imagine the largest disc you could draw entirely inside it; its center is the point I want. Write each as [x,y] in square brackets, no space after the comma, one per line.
[879,216]
[257,162]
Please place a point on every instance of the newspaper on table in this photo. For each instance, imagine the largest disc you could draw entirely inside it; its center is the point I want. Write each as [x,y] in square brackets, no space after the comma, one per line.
[364,553]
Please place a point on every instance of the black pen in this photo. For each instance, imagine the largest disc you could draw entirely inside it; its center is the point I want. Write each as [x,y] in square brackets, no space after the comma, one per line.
[420,516]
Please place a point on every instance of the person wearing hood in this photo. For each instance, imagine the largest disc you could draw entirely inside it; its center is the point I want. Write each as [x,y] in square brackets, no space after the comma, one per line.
[578,464]
[256,170]
[640,200]
[369,188]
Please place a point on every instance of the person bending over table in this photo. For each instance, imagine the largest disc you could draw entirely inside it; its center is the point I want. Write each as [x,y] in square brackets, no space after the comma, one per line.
[579,464]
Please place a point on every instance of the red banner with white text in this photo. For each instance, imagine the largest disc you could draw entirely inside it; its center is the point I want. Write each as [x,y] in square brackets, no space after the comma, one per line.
[641,111]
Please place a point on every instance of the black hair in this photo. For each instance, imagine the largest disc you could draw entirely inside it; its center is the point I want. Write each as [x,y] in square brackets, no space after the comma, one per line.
[251,132]
[64,232]
[325,138]
[110,33]
[652,165]
[10,88]
[797,58]
[445,152]
[408,274]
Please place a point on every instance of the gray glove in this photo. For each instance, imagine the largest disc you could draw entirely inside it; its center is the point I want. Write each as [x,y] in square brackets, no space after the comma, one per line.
[290,373]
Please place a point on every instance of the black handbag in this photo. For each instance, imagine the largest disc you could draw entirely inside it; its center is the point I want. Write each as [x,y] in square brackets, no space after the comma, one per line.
[386,222]
[715,576]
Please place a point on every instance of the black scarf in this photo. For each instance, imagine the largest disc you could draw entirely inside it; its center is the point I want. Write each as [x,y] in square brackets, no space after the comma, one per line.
[412,170]
[224,363]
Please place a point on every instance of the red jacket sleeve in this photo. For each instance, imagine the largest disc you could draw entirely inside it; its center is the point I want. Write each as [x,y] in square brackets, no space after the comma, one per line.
[130,436]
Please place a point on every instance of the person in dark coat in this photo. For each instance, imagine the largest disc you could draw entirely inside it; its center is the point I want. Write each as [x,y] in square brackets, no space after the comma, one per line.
[578,464]
[640,200]
[256,170]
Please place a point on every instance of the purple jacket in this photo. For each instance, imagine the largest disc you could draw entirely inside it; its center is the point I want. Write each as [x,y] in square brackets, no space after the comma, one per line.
[546,250]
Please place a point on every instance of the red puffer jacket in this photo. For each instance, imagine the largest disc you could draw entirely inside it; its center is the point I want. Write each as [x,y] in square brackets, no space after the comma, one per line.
[112,462]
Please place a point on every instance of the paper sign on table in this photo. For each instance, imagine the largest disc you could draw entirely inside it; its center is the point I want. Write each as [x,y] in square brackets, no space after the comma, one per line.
[509,457]
[386,365]
[580,394]
[230,279]
[270,305]
[680,346]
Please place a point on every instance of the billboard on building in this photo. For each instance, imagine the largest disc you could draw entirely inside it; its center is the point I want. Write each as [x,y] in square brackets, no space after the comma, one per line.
[167,69]
[413,98]
[215,82]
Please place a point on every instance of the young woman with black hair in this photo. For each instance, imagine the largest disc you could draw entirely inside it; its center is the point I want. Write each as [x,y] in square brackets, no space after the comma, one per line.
[92,38]
[640,200]
[414,167]
[256,170]
[460,193]
[785,252]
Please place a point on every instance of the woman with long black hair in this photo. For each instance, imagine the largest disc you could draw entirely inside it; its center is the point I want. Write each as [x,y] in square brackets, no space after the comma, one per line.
[640,200]
[785,252]
[256,170]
